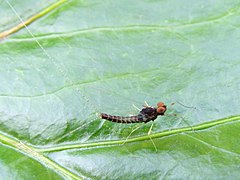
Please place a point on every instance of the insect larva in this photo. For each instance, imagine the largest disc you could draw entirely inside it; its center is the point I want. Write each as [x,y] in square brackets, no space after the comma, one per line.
[147,114]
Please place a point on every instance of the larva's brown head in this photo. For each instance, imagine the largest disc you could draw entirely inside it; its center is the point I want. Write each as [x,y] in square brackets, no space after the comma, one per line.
[161,108]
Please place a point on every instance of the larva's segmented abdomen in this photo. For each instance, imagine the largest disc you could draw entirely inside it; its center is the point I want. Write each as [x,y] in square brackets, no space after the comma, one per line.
[120,119]
[146,115]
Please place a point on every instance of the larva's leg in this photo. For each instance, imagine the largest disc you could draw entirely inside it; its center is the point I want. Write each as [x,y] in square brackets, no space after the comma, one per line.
[131,134]
[136,107]
[146,104]
[149,132]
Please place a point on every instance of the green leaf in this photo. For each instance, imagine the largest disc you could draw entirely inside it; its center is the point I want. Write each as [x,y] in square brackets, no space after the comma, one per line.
[76,59]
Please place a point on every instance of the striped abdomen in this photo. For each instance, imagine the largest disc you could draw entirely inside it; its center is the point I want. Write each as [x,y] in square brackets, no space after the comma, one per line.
[120,119]
[145,115]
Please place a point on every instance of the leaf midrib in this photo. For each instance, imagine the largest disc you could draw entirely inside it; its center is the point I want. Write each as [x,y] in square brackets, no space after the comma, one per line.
[17,144]
[35,154]
[203,126]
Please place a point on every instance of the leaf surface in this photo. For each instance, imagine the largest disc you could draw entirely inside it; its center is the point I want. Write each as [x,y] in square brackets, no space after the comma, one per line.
[77,59]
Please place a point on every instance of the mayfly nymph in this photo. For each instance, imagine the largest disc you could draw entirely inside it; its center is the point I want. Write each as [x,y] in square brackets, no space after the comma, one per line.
[148,113]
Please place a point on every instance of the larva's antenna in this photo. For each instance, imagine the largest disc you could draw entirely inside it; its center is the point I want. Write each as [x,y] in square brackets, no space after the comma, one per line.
[182,118]
[184,105]
[175,115]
